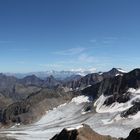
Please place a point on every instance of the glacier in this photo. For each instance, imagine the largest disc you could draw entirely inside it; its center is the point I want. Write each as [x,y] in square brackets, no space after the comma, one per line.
[70,115]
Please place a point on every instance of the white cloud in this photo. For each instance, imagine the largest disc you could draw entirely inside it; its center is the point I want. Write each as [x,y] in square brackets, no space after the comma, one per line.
[50,65]
[86,58]
[72,51]
[90,69]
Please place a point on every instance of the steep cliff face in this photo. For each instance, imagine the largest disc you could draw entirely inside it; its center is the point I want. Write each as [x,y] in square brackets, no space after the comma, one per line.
[92,79]
[117,90]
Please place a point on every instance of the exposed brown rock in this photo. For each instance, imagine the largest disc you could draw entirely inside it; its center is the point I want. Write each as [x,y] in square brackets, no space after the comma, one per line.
[83,133]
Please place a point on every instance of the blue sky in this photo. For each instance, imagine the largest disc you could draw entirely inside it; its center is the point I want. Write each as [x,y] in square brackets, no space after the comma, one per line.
[39,35]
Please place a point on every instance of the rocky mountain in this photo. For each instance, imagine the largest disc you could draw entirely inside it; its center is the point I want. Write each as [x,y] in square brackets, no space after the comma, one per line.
[16,89]
[7,83]
[51,82]
[116,85]
[61,75]
[31,80]
[91,79]
[122,89]
[112,102]
[34,106]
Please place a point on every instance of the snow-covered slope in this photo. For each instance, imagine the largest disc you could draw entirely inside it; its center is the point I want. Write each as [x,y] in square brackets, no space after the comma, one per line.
[71,115]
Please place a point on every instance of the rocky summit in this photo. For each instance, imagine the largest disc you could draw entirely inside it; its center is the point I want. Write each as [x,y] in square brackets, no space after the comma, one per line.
[82,133]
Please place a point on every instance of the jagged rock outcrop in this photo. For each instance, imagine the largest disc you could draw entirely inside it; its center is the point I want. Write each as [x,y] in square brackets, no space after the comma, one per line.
[83,133]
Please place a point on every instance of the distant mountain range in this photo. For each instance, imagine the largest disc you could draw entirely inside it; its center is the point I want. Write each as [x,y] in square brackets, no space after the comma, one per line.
[64,79]
[57,74]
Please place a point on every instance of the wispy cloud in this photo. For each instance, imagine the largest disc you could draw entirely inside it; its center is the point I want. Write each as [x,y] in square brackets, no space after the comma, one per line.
[72,51]
[91,69]
[86,58]
[50,65]
[93,41]
[108,40]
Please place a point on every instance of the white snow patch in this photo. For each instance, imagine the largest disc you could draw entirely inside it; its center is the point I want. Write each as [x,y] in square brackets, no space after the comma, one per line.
[131,90]
[81,99]
[43,119]
[85,112]
[106,121]
[99,102]
[121,70]
[119,75]
[134,91]
[72,128]
[116,106]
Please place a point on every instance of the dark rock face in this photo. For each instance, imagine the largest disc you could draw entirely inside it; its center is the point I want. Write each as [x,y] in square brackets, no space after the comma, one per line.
[134,135]
[91,79]
[66,135]
[12,112]
[132,110]
[84,133]
[116,87]
[117,98]
[51,82]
